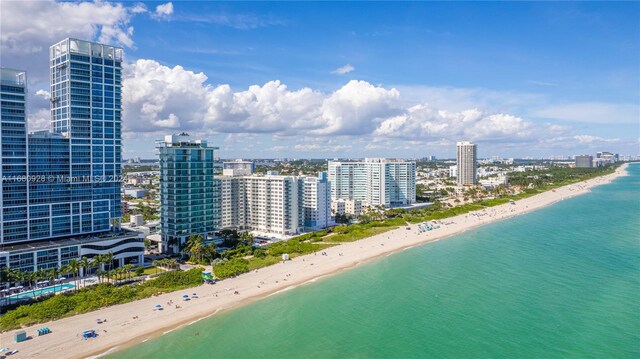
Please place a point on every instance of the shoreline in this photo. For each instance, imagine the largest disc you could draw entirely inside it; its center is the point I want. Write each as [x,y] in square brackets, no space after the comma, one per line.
[121,331]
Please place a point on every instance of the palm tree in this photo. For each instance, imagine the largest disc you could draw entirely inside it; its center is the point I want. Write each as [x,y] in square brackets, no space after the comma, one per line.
[97,262]
[109,259]
[247,238]
[86,264]
[194,247]
[52,274]
[128,269]
[4,276]
[74,266]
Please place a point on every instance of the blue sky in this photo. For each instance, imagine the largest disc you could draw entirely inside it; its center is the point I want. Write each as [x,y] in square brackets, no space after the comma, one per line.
[358,79]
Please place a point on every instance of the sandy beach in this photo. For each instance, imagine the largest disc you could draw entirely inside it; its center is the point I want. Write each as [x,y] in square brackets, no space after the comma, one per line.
[133,323]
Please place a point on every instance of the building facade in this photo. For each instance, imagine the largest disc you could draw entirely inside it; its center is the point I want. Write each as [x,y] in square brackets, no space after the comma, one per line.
[375,182]
[267,204]
[467,163]
[189,193]
[274,204]
[238,168]
[68,203]
[351,207]
[317,201]
[584,161]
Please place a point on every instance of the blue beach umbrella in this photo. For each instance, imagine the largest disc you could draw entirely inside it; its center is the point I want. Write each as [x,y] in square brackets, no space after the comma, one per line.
[185,296]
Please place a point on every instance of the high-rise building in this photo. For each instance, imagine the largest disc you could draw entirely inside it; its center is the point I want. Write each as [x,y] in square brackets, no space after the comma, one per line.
[375,182]
[467,162]
[274,204]
[86,108]
[13,169]
[317,201]
[270,204]
[584,161]
[189,193]
[68,203]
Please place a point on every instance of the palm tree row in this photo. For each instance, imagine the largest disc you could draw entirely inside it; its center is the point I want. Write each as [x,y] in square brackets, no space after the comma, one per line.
[166,263]
[74,266]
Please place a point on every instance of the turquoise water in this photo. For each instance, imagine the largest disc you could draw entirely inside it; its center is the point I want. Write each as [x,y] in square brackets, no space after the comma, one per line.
[38,292]
[561,282]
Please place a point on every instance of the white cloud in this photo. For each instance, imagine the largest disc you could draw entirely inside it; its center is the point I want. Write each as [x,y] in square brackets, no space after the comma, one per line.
[50,21]
[157,97]
[542,83]
[39,120]
[164,11]
[592,112]
[423,121]
[44,94]
[343,70]
[588,139]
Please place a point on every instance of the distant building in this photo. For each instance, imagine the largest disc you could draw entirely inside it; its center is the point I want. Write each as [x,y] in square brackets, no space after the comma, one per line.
[605,158]
[375,182]
[453,171]
[189,193]
[136,220]
[136,192]
[467,159]
[584,161]
[349,206]
[238,168]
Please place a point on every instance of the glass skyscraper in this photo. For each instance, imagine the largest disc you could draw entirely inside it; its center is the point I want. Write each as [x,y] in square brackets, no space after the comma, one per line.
[13,140]
[61,188]
[189,193]
[86,108]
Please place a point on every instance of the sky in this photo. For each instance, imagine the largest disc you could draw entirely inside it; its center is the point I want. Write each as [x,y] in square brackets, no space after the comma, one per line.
[354,79]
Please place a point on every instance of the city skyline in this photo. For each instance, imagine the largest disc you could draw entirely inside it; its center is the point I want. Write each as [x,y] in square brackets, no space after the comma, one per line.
[270,80]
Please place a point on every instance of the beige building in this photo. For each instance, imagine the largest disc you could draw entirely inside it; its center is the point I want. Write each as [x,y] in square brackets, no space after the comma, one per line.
[467,162]
[347,206]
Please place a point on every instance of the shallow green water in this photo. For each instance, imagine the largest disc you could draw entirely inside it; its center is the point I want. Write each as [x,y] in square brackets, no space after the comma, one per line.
[561,282]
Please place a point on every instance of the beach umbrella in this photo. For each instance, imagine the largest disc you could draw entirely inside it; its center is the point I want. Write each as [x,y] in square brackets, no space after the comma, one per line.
[185,296]
[194,294]
[158,306]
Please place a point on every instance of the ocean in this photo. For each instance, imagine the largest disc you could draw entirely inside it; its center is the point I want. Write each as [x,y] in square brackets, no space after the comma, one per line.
[560,282]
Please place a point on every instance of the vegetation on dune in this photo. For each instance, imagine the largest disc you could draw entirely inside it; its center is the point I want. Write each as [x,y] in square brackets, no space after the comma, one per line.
[95,297]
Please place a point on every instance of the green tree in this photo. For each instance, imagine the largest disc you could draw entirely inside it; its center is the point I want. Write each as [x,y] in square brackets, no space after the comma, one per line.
[195,248]
[86,265]
[74,266]
[247,238]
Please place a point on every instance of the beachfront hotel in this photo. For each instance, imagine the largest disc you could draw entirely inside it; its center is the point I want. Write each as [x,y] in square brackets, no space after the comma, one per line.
[274,204]
[189,192]
[374,181]
[61,188]
[466,163]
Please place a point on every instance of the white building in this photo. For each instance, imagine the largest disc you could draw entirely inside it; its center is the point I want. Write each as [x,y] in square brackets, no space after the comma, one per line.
[136,219]
[135,192]
[317,202]
[375,182]
[266,204]
[453,171]
[275,204]
[467,159]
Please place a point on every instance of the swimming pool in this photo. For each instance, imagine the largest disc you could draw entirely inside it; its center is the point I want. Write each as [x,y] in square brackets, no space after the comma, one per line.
[38,292]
